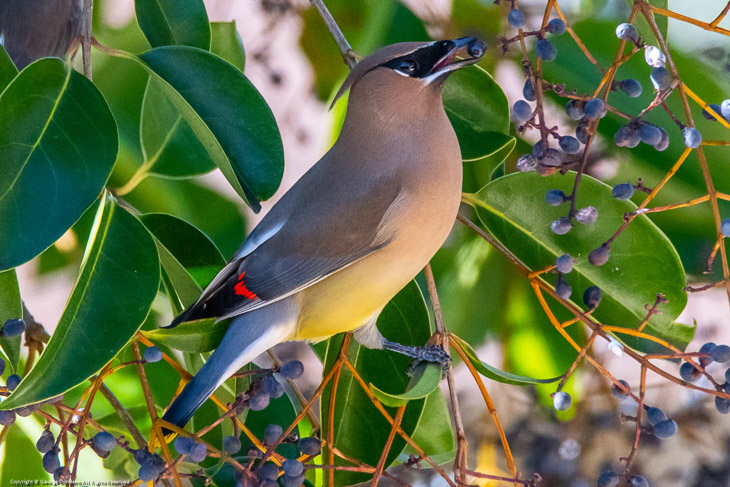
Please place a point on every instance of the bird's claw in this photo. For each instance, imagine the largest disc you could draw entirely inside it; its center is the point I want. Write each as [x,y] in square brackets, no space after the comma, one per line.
[431,354]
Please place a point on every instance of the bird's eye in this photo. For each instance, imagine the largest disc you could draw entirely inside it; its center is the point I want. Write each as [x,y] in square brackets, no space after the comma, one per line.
[407,66]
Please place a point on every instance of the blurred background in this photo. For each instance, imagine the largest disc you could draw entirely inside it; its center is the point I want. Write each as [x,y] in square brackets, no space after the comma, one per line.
[293,61]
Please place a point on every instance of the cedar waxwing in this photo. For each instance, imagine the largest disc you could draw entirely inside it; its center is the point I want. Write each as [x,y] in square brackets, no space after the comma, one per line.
[32,29]
[354,230]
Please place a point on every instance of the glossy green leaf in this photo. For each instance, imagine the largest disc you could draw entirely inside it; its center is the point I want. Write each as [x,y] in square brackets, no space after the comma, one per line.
[193,336]
[118,280]
[494,373]
[8,71]
[434,433]
[169,145]
[404,320]
[174,22]
[479,111]
[226,43]
[189,259]
[20,459]
[643,261]
[424,381]
[112,422]
[58,143]
[11,306]
[227,114]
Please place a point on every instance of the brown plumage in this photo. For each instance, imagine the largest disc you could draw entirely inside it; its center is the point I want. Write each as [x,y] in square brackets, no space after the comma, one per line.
[355,229]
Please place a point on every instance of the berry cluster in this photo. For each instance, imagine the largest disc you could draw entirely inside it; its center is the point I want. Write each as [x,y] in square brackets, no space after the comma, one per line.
[710,352]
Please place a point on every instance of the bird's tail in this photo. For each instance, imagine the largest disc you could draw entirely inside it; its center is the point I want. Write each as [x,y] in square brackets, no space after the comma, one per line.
[248,336]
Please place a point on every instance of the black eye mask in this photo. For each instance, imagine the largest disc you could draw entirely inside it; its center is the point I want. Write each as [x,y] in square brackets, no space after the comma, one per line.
[424,59]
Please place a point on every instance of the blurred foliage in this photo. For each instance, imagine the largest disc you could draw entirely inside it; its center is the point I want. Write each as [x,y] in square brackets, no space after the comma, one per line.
[117,201]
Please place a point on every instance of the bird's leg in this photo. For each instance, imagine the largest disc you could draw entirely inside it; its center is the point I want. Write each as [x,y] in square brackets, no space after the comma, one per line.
[431,353]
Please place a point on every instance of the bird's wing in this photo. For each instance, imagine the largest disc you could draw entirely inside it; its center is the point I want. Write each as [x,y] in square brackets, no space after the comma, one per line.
[306,237]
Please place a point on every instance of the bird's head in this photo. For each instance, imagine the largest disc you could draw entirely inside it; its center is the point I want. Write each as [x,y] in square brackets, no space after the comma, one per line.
[407,68]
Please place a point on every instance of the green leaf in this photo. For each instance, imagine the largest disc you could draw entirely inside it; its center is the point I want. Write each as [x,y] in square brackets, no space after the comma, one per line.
[11,306]
[227,114]
[479,111]
[189,259]
[169,145]
[174,22]
[226,43]
[21,460]
[404,320]
[643,261]
[434,433]
[118,280]
[192,336]
[58,143]
[424,381]
[113,423]
[8,71]
[494,373]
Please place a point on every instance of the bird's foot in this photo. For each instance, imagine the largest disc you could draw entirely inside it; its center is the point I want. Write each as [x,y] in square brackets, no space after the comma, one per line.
[431,353]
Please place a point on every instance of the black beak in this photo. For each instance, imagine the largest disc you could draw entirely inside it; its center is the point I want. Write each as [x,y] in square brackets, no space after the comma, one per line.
[469,49]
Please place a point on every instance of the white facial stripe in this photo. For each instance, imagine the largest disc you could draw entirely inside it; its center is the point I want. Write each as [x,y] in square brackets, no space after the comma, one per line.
[401,73]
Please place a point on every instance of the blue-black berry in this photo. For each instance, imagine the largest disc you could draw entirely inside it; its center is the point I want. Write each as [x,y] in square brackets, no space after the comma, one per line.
[526,163]
[592,297]
[309,446]
[516,18]
[663,142]
[631,87]
[575,109]
[272,433]
[45,442]
[627,32]
[51,461]
[608,479]
[198,452]
[649,134]
[2,366]
[183,444]
[521,111]
[623,191]
[655,415]
[528,91]
[569,144]
[599,256]
[595,108]
[725,227]
[720,354]
[7,418]
[665,429]
[231,444]
[148,471]
[561,226]
[289,481]
[619,393]
[654,57]
[564,263]
[273,388]
[688,372]
[292,370]
[715,108]
[292,467]
[268,471]
[13,327]
[561,401]
[692,137]
[562,288]
[259,402]
[725,109]
[639,481]
[12,381]
[587,215]
[545,50]
[581,130]
[152,354]
[554,197]
[722,405]
[555,26]
[707,348]
[104,441]
[660,78]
